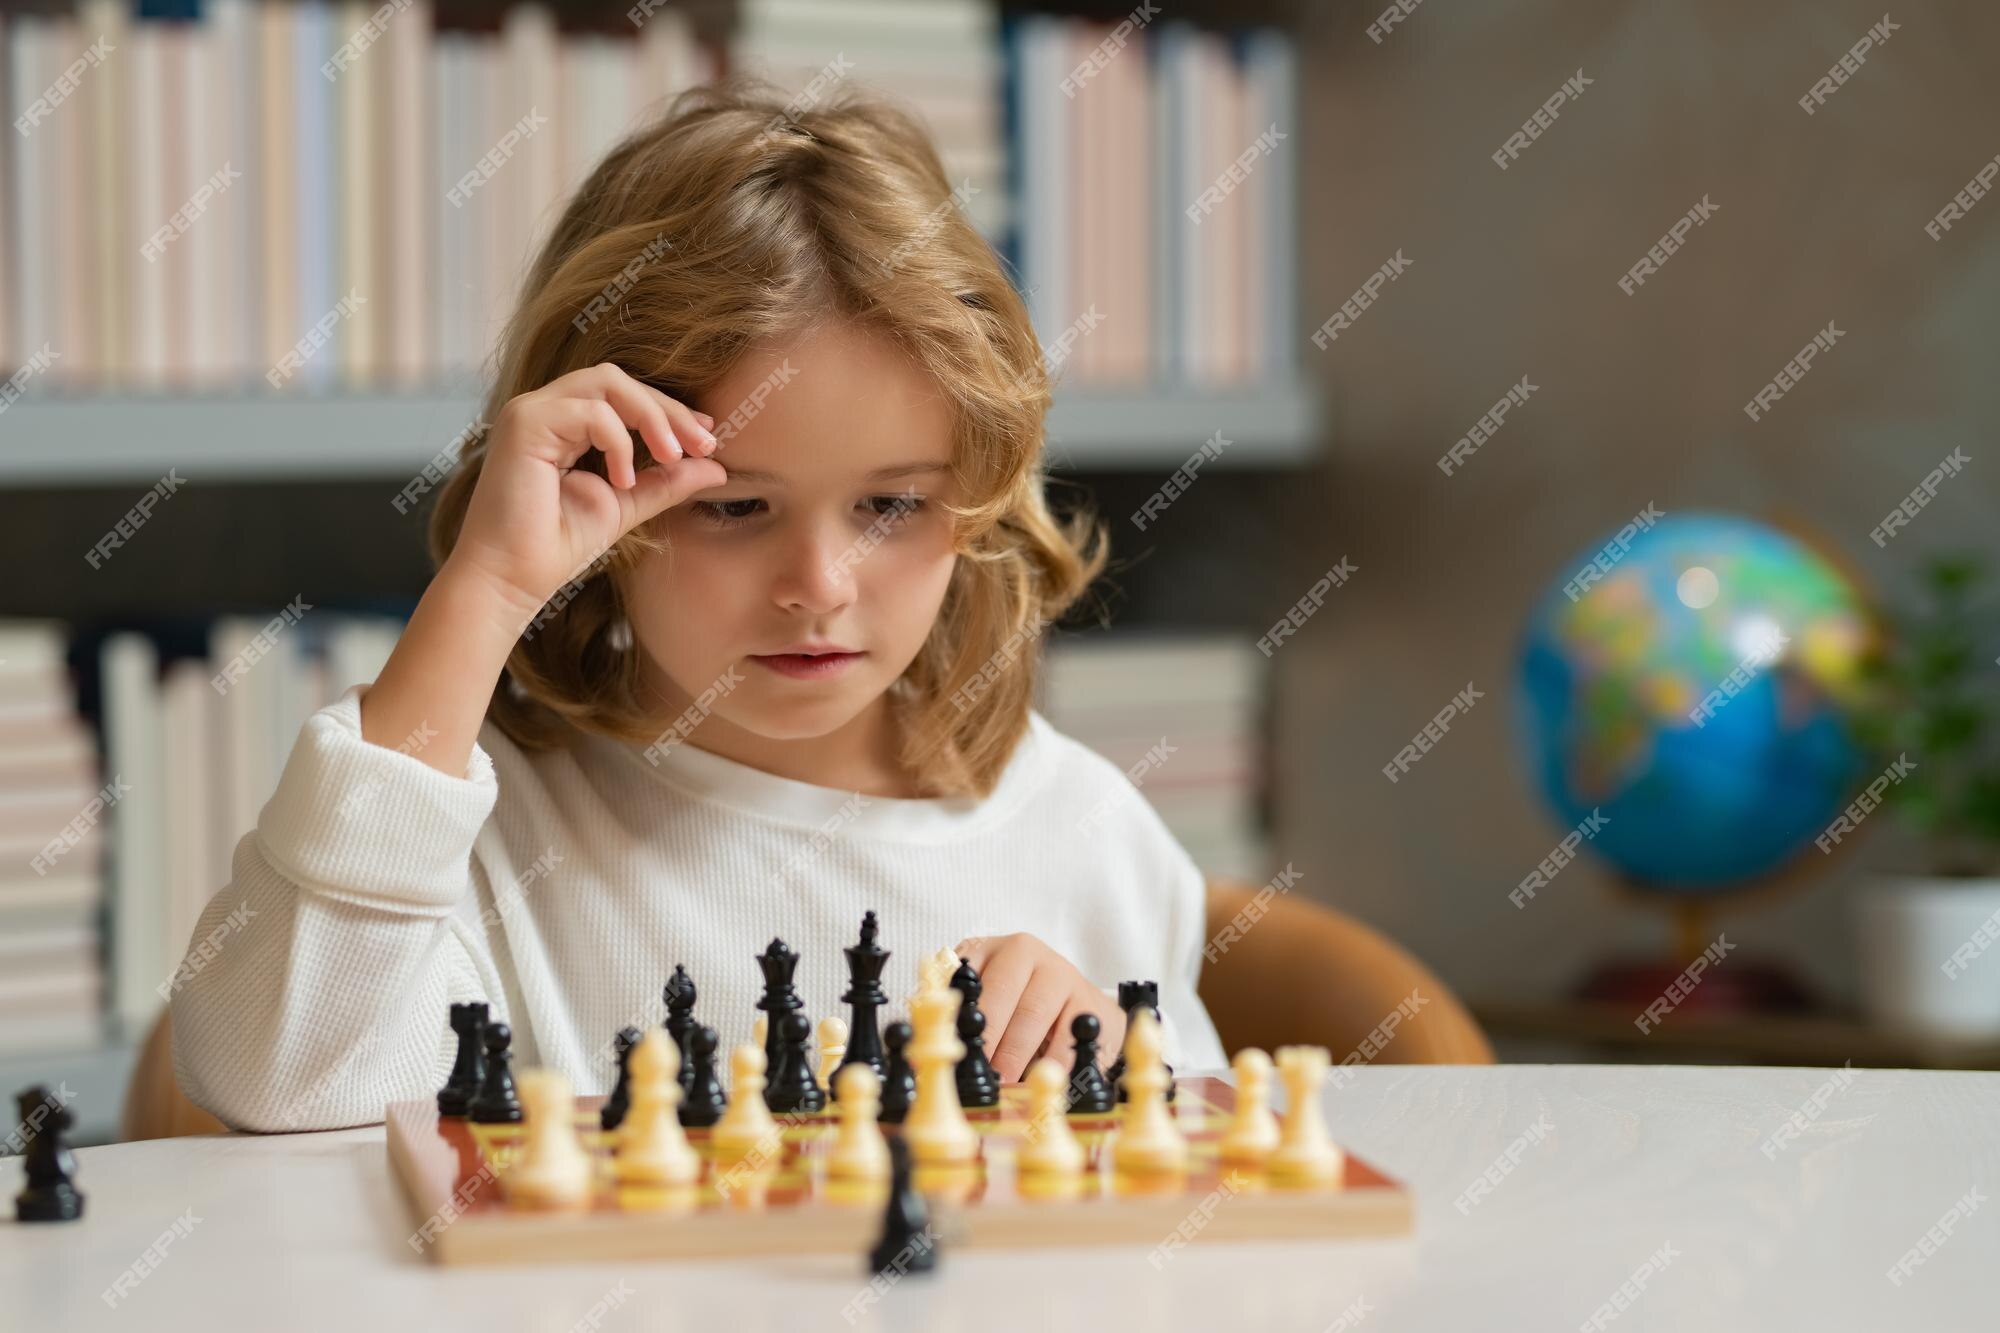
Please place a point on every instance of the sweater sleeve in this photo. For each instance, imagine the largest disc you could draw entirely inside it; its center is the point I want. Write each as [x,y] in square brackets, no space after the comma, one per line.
[315,978]
[1192,1043]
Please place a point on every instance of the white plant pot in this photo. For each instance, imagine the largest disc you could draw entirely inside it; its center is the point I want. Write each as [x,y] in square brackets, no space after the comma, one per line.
[1930,954]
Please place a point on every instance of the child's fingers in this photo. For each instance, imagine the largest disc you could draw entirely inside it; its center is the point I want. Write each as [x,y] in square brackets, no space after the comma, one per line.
[661,488]
[1002,982]
[644,409]
[581,424]
[1029,1026]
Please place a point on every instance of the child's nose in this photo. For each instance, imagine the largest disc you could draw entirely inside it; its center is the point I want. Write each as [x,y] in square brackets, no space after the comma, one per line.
[817,573]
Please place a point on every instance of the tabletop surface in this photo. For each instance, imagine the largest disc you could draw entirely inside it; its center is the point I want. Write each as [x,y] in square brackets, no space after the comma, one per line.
[1548,1197]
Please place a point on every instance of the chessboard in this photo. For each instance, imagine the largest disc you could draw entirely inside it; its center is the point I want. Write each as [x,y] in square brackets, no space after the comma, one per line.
[452,1170]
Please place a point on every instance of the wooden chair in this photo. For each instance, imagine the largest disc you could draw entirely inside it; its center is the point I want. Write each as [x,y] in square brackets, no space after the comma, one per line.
[1289,971]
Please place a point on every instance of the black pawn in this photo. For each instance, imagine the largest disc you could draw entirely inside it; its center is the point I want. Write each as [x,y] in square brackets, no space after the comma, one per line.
[496,1102]
[469,1069]
[907,1244]
[680,996]
[899,1084]
[49,1167]
[612,1114]
[978,1084]
[795,1088]
[705,1101]
[1089,1093]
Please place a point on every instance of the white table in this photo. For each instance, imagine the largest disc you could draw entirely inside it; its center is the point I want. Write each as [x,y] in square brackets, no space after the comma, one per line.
[308,1231]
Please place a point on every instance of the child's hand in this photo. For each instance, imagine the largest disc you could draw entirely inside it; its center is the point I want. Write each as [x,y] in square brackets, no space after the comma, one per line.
[1030,994]
[535,520]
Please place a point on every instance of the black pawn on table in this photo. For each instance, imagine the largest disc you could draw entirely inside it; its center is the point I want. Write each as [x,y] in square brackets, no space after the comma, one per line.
[468,1070]
[978,1083]
[1089,1093]
[907,1244]
[864,997]
[497,1103]
[899,1084]
[705,1101]
[612,1114]
[680,996]
[1132,994]
[794,1088]
[50,1194]
[779,999]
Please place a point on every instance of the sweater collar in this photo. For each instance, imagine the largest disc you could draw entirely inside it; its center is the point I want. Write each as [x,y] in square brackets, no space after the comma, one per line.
[707,776]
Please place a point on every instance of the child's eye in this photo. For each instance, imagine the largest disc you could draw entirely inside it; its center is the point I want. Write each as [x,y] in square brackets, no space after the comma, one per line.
[724,513]
[895,506]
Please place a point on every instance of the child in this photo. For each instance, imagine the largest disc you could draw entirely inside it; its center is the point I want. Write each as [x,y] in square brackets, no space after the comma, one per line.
[732,636]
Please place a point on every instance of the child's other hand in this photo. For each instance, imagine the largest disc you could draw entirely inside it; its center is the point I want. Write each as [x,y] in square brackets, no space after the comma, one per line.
[536,520]
[1030,994]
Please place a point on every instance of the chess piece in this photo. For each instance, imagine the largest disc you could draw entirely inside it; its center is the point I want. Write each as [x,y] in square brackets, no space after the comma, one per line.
[907,1244]
[612,1113]
[899,1085]
[935,971]
[496,1102]
[1132,994]
[832,1049]
[760,1033]
[705,1099]
[1089,1093]
[864,998]
[778,964]
[553,1170]
[936,1127]
[651,1149]
[746,1126]
[1147,1140]
[1253,1130]
[860,1153]
[793,1087]
[48,1192]
[468,1070]
[1306,1153]
[978,1083]
[1049,1147]
[679,995]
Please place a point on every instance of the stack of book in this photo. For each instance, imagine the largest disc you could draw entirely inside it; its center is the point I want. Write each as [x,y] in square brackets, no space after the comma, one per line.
[54,808]
[201,741]
[1183,717]
[296,196]
[311,196]
[1154,169]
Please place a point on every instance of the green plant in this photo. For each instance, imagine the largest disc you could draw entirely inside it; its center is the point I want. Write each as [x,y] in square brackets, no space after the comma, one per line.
[1934,694]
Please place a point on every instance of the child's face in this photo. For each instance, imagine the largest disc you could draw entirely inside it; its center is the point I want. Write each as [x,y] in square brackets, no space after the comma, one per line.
[809,541]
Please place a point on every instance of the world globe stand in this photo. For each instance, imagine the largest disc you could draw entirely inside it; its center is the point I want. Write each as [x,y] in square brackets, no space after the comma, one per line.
[1727,984]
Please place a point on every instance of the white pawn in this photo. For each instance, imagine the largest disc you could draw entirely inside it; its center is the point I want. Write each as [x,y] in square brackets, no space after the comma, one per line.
[1147,1139]
[554,1169]
[1050,1147]
[1306,1153]
[652,1147]
[832,1047]
[936,1128]
[860,1153]
[1253,1131]
[746,1123]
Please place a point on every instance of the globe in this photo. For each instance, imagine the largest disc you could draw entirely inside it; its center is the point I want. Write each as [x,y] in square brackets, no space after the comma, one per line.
[1693,680]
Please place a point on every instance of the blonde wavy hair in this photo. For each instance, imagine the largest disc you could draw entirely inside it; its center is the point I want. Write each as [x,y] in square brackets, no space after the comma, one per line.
[736,222]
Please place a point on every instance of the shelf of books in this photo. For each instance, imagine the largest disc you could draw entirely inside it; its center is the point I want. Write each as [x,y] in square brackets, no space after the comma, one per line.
[263,239]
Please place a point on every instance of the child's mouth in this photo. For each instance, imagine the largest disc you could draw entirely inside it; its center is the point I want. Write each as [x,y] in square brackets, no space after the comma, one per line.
[807,666]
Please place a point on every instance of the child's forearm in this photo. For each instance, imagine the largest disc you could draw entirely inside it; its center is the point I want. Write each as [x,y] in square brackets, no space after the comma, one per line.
[431,697]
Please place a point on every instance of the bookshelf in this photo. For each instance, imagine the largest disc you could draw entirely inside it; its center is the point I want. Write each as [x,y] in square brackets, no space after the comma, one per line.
[133,439]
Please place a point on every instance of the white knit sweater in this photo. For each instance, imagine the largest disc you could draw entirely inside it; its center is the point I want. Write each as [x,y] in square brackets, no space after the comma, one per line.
[562,888]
